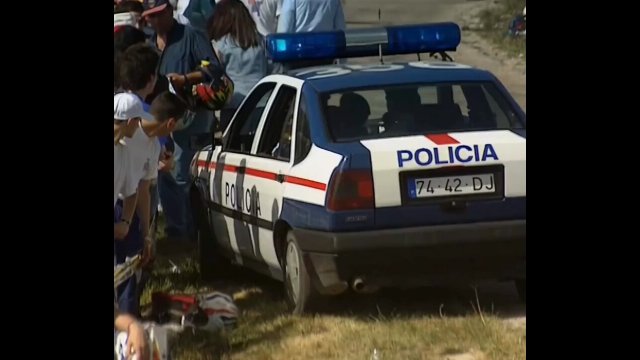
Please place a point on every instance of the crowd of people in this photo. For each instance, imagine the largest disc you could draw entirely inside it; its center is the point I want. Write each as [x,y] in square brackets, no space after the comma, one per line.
[165,52]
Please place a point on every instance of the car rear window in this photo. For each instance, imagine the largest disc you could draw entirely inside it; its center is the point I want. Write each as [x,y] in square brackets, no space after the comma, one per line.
[374,113]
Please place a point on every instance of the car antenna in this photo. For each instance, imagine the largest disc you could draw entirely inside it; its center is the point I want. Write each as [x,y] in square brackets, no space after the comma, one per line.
[380,45]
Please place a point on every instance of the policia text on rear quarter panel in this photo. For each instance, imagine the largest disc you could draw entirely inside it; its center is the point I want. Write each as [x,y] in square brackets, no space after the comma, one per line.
[460,154]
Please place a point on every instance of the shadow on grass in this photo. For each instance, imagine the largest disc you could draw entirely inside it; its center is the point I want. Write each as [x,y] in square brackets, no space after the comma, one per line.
[264,316]
[259,299]
[495,299]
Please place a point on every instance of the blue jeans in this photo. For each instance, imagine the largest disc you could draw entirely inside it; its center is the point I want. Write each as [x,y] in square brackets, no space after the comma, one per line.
[128,297]
[174,187]
[173,197]
[127,293]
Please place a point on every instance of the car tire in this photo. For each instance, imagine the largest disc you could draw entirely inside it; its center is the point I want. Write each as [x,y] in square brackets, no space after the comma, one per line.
[299,291]
[521,286]
[213,265]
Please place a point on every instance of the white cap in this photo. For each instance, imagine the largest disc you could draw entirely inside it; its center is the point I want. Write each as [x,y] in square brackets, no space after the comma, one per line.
[127,18]
[127,106]
[524,11]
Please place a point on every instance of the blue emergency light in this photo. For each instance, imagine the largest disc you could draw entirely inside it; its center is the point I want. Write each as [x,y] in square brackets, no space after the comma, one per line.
[392,40]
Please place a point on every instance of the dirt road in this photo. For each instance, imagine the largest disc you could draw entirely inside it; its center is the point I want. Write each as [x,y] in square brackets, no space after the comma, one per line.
[473,51]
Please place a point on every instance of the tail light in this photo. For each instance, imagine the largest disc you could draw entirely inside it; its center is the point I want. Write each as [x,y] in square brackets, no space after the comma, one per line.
[350,190]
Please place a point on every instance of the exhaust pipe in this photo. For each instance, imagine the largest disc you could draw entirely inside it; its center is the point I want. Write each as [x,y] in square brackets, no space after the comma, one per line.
[361,287]
[358,285]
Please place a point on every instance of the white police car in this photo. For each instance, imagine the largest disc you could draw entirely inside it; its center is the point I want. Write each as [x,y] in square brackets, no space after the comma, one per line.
[359,177]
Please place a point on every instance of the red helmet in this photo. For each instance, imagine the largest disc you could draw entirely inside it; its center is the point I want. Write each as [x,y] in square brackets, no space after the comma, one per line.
[216,90]
[212,93]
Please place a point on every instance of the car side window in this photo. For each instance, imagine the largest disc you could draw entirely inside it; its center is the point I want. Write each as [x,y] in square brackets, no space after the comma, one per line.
[275,140]
[240,136]
[303,134]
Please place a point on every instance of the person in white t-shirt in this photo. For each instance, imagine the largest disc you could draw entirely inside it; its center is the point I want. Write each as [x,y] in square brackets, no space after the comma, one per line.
[167,111]
[178,12]
[126,119]
[137,74]
[196,11]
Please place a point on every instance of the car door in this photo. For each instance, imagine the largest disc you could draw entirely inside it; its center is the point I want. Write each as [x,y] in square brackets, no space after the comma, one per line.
[265,173]
[231,214]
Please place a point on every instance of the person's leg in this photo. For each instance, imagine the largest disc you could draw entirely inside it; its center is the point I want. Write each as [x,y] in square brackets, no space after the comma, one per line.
[128,300]
[172,204]
[131,245]
[183,183]
[183,154]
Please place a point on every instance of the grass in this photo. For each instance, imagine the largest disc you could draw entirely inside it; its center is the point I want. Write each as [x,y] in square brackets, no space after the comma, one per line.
[494,24]
[399,324]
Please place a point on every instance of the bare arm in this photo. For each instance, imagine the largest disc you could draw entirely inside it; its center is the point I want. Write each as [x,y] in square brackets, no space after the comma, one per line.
[129,207]
[121,229]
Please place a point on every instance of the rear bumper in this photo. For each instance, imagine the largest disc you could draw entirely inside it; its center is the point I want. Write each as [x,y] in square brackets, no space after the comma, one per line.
[415,256]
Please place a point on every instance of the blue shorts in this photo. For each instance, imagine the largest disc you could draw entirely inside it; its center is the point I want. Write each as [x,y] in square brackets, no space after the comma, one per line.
[133,243]
[128,296]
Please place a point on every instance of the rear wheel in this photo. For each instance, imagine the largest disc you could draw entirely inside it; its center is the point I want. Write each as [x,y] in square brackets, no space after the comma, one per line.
[213,265]
[298,288]
[521,286]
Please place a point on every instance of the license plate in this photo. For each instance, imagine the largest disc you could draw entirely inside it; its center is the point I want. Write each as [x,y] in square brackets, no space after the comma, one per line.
[452,185]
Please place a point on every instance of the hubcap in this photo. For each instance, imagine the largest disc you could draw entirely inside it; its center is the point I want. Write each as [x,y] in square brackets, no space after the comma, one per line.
[293,270]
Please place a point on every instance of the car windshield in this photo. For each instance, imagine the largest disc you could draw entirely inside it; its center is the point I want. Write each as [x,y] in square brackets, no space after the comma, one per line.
[374,113]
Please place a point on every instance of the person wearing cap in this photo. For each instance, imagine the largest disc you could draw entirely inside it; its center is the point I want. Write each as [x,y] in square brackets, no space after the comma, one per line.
[166,112]
[183,49]
[126,116]
[128,112]
[137,72]
[129,12]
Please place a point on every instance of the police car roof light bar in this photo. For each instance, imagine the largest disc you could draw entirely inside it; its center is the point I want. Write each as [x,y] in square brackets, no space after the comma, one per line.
[392,40]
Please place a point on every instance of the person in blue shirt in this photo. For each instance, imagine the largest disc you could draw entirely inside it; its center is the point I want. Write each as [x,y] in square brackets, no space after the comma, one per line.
[310,15]
[183,49]
[240,47]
